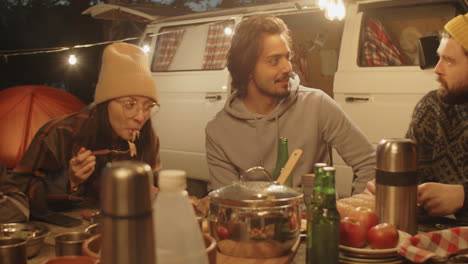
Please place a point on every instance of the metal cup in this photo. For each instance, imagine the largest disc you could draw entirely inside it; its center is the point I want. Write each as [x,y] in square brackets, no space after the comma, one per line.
[397,183]
[70,243]
[13,251]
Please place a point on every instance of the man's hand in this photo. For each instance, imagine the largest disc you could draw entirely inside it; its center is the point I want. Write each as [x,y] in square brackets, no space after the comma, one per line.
[440,199]
[370,187]
[81,167]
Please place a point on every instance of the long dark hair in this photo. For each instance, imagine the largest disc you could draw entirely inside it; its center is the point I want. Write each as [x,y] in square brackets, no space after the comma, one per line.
[245,47]
[96,134]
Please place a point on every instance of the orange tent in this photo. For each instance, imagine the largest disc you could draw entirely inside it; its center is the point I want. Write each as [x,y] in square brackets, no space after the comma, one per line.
[23,110]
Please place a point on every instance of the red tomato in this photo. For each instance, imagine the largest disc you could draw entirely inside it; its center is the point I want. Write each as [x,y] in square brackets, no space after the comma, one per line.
[223,232]
[352,233]
[383,236]
[365,216]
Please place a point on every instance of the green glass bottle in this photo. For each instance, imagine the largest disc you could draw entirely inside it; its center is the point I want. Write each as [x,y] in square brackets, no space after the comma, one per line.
[282,158]
[326,223]
[314,205]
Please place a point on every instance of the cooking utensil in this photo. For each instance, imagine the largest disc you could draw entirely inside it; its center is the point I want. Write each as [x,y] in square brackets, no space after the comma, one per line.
[69,243]
[255,219]
[290,165]
[13,251]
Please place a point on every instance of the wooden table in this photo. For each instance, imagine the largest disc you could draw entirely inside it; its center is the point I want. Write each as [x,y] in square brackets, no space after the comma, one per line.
[48,250]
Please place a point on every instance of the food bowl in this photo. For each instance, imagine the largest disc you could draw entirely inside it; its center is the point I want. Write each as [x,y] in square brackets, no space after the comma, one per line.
[71,260]
[93,229]
[92,247]
[255,219]
[70,243]
[33,232]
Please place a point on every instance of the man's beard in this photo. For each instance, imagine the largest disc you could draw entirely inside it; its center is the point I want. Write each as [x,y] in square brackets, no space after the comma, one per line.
[456,95]
[277,93]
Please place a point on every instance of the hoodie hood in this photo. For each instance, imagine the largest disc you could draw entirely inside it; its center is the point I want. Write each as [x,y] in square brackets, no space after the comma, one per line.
[235,106]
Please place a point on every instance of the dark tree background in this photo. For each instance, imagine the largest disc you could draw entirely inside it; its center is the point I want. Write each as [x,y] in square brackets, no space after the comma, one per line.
[29,25]
[42,24]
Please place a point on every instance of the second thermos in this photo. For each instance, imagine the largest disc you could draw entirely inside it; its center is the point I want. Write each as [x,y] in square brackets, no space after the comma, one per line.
[397,183]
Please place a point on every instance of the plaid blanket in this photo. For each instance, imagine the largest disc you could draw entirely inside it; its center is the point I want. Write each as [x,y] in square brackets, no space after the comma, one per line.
[378,49]
[438,246]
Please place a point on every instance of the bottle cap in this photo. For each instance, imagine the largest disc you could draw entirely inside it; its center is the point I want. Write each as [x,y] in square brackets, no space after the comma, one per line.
[172,180]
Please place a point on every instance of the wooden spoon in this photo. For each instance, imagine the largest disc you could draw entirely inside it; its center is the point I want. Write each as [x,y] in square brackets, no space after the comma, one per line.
[289,167]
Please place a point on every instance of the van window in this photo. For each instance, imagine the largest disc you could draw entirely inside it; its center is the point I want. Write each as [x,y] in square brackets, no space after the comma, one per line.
[390,35]
[193,47]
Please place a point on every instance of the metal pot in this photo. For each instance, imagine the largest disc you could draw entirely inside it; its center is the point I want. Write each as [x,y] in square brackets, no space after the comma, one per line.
[255,219]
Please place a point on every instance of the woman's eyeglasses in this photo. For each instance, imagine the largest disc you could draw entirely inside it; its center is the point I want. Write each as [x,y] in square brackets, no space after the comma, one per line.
[131,107]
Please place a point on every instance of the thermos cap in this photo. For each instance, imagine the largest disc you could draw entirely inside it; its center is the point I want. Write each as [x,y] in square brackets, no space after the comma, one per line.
[126,188]
[397,155]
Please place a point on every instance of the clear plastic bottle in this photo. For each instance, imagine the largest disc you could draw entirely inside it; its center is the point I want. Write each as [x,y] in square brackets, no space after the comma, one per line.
[178,237]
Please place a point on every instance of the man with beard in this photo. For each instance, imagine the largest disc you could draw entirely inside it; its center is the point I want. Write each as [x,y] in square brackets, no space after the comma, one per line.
[440,127]
[267,103]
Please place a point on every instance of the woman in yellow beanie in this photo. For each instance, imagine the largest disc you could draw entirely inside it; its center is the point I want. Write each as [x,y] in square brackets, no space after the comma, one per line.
[68,153]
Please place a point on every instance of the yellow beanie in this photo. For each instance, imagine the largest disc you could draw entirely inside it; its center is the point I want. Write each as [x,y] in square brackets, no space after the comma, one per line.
[124,72]
[458,29]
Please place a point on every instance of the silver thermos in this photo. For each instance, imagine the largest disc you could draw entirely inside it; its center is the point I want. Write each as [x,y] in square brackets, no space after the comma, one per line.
[127,231]
[397,183]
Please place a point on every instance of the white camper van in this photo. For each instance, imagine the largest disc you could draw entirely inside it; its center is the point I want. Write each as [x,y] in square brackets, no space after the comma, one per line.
[371,63]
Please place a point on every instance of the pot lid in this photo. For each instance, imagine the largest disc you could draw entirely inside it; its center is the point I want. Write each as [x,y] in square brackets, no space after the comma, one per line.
[254,191]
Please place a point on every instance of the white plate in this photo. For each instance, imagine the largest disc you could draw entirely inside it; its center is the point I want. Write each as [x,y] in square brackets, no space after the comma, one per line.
[370,251]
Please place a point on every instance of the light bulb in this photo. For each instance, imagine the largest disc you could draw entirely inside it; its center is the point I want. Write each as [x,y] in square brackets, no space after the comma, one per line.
[335,11]
[228,31]
[341,10]
[146,48]
[323,4]
[72,59]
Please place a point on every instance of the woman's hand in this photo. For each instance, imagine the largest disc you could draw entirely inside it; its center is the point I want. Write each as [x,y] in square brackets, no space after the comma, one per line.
[81,166]
[154,192]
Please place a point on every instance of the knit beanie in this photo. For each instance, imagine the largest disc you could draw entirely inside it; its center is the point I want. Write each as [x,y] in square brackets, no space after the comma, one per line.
[458,29]
[124,72]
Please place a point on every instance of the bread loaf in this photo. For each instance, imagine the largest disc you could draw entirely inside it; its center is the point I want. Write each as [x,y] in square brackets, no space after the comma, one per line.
[346,205]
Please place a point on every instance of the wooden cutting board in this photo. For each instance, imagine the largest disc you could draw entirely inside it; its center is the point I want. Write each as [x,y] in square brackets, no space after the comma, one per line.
[224,259]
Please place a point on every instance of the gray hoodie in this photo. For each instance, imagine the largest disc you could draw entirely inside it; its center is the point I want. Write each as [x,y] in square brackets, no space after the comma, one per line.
[237,139]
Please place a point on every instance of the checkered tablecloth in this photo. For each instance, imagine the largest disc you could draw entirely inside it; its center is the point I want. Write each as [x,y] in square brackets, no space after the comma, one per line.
[437,245]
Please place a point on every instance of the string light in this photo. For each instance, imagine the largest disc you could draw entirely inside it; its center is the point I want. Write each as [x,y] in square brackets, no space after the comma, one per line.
[323,4]
[72,59]
[9,53]
[146,48]
[334,9]
[228,31]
